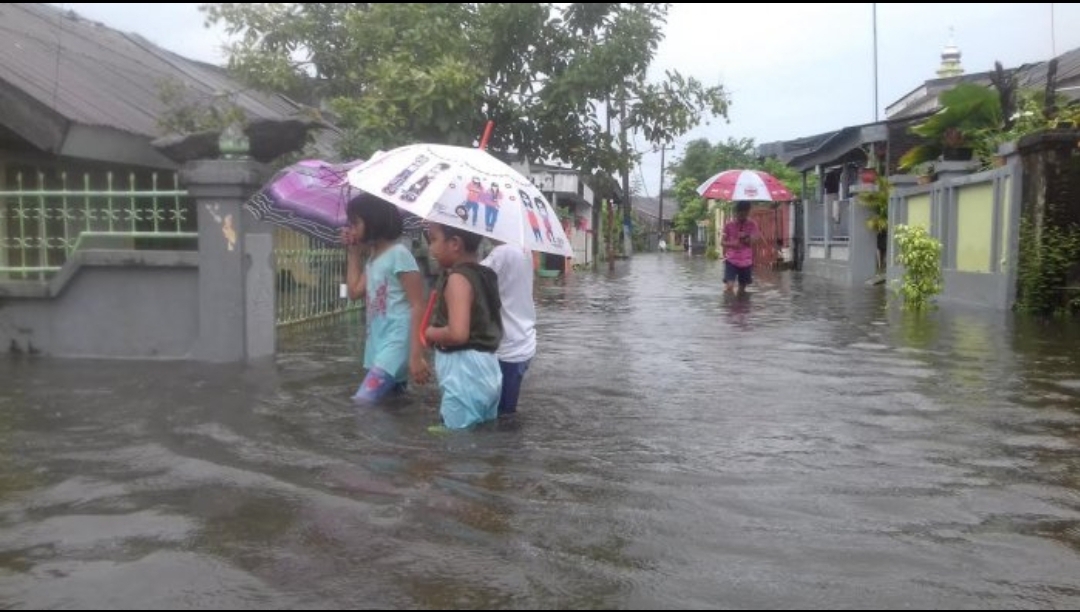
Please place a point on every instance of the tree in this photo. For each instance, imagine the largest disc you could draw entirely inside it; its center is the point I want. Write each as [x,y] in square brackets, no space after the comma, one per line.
[692,207]
[540,71]
[701,159]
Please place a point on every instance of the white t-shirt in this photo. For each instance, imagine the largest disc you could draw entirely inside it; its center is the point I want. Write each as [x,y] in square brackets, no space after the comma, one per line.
[515,269]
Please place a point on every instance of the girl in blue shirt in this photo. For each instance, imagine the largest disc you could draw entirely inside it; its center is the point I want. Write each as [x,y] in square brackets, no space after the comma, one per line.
[393,291]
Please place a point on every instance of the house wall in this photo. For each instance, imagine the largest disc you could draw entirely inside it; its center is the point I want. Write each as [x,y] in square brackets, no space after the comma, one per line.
[107,304]
[839,245]
[976,219]
[974,227]
[216,303]
[918,211]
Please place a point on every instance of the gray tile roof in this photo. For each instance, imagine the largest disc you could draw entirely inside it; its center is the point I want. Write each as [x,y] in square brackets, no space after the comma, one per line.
[650,206]
[1068,74]
[94,75]
[804,152]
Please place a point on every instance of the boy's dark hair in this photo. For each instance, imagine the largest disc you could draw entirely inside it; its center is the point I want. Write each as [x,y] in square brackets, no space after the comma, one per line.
[382,221]
[743,206]
[469,240]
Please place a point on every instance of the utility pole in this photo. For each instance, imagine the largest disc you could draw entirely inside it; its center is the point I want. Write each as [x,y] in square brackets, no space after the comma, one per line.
[1053,39]
[660,220]
[875,66]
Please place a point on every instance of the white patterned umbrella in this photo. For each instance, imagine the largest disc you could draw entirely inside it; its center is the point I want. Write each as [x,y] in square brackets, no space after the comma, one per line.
[467,188]
[752,185]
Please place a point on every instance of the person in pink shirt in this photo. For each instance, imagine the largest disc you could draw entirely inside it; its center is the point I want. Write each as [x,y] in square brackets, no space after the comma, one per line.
[739,236]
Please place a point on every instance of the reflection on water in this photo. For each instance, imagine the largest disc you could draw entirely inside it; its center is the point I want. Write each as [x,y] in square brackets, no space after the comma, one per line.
[803,446]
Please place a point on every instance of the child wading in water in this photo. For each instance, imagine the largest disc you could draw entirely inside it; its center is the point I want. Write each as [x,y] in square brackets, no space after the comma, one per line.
[514,267]
[393,289]
[466,329]
[739,236]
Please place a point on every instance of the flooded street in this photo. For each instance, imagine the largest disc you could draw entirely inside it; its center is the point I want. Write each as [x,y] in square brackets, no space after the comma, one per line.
[806,447]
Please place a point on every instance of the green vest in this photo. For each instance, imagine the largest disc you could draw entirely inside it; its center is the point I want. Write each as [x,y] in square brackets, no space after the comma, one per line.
[485,329]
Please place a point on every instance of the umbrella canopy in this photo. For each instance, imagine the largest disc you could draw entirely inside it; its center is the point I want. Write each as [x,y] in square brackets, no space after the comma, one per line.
[752,185]
[310,197]
[467,188]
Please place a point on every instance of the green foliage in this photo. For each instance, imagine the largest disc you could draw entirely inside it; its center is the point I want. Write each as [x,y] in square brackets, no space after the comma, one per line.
[1030,117]
[1045,263]
[920,255]
[692,207]
[790,177]
[878,203]
[702,159]
[968,110]
[189,111]
[640,235]
[712,252]
[408,72]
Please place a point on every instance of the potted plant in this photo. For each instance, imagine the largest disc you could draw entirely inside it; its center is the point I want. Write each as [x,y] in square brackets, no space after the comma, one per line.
[878,221]
[868,176]
[968,113]
[924,173]
[877,201]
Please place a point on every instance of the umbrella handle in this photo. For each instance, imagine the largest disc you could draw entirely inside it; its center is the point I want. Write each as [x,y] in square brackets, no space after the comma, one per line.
[487,134]
[427,318]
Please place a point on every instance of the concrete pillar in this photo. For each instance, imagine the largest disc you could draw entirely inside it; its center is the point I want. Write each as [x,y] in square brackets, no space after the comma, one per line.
[236,262]
[862,254]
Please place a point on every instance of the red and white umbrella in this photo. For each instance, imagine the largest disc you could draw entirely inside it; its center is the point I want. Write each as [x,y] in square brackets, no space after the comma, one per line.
[753,185]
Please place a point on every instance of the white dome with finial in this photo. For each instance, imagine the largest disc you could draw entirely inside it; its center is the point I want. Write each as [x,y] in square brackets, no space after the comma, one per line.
[950,59]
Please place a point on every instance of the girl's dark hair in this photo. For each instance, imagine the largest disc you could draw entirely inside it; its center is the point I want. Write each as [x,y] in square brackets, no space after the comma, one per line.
[382,221]
[469,240]
[742,205]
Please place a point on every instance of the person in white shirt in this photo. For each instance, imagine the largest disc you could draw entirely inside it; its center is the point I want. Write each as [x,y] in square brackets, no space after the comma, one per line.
[514,267]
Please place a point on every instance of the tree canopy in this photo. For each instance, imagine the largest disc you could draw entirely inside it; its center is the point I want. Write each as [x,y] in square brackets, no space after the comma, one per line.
[399,73]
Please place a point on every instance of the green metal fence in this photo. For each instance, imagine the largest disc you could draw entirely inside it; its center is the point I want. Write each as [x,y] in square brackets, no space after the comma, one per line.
[309,278]
[47,214]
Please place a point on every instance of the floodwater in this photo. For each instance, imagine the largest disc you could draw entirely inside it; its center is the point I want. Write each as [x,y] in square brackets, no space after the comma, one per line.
[805,447]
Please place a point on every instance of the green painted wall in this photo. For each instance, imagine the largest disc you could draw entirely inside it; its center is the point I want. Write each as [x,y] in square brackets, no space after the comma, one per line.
[974,227]
[919,210]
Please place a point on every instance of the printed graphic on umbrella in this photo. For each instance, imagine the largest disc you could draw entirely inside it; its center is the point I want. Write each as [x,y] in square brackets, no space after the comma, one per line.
[309,197]
[752,185]
[465,187]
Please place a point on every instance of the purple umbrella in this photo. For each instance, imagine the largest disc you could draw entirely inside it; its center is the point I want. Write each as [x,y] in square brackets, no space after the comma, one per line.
[310,197]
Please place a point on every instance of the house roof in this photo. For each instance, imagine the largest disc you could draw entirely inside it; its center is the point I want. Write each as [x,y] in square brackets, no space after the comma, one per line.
[786,150]
[1033,75]
[925,95]
[839,144]
[807,152]
[650,207]
[1067,78]
[59,70]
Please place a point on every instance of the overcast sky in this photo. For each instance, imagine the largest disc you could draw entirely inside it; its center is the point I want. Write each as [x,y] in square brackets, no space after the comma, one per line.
[792,70]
